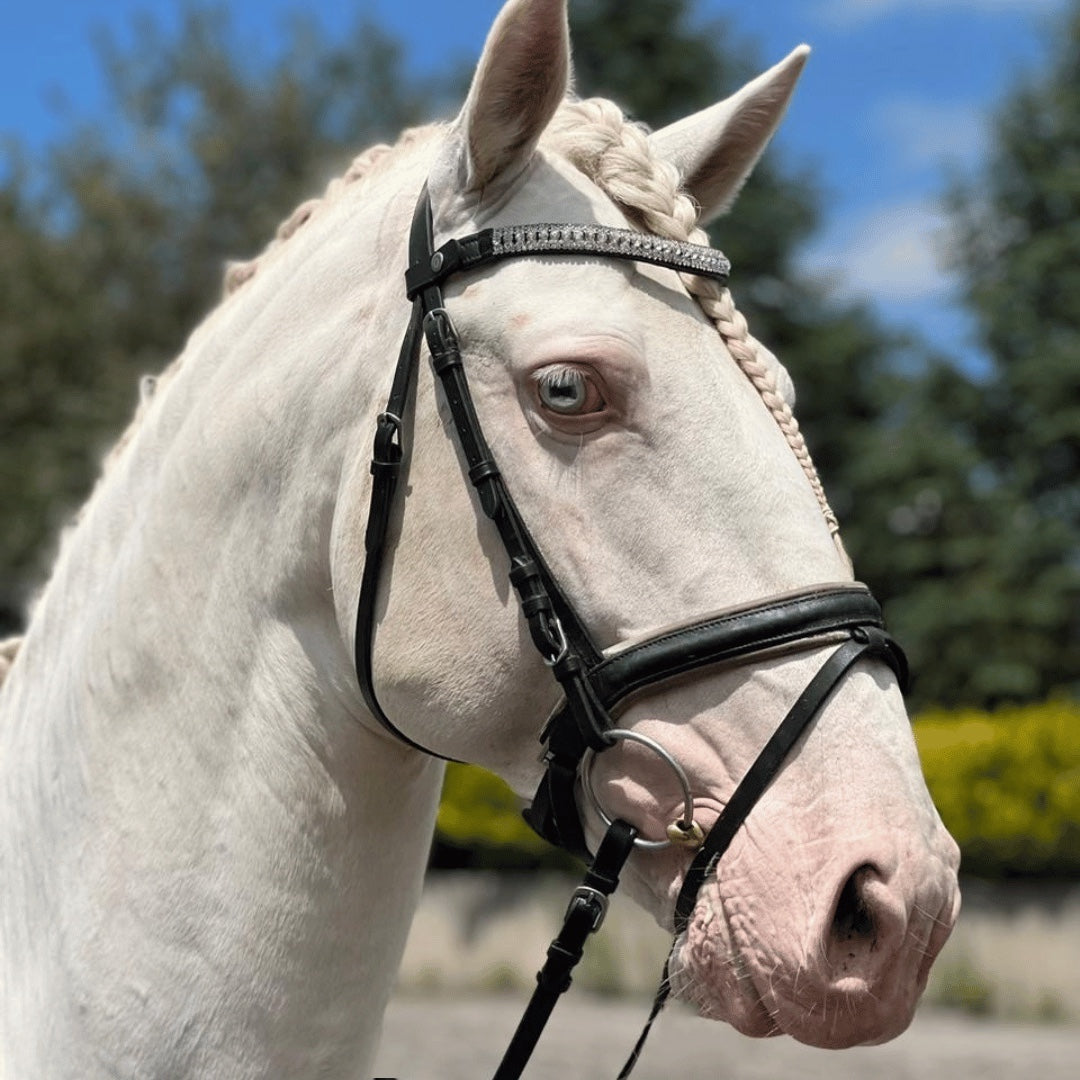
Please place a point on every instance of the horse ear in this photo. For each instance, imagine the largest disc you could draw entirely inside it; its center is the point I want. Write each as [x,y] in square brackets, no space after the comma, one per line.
[521,80]
[715,150]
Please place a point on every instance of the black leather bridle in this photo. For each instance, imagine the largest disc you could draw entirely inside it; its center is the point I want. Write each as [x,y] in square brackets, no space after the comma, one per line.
[594,685]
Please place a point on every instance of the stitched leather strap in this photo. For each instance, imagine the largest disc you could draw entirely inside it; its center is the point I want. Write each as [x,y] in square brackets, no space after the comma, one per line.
[583,917]
[865,642]
[733,635]
[386,459]
[514,241]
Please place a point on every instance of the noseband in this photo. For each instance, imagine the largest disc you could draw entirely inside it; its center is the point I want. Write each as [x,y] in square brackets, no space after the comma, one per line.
[595,687]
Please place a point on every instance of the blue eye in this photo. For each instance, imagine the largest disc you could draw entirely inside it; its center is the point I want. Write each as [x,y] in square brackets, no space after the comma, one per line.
[568,391]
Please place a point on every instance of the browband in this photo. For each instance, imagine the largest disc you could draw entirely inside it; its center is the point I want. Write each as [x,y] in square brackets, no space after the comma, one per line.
[515,241]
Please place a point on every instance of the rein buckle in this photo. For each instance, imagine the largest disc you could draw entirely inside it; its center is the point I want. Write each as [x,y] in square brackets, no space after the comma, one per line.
[593,899]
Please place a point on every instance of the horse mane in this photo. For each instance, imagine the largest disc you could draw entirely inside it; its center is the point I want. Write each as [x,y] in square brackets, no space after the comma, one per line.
[614,153]
[368,163]
[596,138]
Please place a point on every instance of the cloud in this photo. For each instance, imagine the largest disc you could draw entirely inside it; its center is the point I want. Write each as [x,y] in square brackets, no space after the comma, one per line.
[924,133]
[852,12]
[890,254]
[894,258]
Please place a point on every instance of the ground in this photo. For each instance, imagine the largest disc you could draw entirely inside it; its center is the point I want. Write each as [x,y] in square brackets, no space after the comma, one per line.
[444,1038]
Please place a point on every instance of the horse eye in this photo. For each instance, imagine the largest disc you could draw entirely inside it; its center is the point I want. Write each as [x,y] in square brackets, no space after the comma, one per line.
[568,391]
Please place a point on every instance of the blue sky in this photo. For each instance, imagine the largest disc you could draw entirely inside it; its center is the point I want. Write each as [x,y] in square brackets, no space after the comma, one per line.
[895,100]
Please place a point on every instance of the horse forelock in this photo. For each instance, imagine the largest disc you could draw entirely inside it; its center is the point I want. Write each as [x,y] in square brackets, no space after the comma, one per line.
[595,136]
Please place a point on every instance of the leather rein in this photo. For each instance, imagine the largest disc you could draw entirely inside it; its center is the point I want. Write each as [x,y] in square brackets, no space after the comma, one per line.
[594,685]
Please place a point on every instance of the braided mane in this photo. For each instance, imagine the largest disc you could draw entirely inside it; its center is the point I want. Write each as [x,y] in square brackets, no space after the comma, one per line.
[596,137]
[365,165]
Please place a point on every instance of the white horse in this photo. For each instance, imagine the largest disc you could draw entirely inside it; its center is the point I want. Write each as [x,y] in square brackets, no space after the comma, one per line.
[210,852]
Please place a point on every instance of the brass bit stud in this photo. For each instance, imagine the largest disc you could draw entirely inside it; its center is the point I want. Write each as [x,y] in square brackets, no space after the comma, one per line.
[689,836]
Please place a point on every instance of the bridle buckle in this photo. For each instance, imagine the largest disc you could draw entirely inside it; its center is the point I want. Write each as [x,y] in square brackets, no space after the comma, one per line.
[585,896]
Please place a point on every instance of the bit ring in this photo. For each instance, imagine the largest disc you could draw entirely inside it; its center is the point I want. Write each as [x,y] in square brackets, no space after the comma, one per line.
[686,823]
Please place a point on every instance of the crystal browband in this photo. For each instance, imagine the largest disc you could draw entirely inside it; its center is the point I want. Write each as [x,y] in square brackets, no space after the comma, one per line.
[513,241]
[601,240]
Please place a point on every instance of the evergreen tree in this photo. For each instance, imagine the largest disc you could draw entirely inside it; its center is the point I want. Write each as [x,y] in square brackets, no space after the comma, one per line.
[113,250]
[1018,252]
[108,263]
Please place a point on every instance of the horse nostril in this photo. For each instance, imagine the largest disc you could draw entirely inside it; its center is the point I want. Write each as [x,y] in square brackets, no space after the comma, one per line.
[869,924]
[853,917]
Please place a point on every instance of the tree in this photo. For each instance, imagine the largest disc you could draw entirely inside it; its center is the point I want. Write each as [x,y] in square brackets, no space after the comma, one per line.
[112,251]
[1017,249]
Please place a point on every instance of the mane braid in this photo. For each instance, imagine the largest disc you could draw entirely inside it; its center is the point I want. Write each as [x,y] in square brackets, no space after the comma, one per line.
[615,154]
[237,274]
[363,166]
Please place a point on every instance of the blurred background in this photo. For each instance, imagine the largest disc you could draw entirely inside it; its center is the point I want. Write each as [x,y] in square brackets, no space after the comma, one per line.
[910,249]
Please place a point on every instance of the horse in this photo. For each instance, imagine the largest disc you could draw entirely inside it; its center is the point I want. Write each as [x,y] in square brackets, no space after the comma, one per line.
[211,847]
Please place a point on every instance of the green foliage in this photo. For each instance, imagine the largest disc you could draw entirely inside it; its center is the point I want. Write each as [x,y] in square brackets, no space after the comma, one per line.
[112,249]
[1007,785]
[1017,248]
[615,42]
[480,825]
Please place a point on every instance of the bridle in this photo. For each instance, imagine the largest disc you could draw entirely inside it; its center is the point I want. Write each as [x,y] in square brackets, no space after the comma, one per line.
[595,685]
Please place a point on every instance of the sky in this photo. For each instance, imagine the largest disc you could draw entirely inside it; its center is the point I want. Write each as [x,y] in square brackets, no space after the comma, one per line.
[895,103]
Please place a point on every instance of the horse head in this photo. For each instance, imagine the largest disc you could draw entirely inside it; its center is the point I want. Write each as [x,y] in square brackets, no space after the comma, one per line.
[213,834]
[649,444]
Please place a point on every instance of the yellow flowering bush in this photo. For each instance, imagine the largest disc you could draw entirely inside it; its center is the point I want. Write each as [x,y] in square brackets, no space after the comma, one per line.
[1007,784]
[480,820]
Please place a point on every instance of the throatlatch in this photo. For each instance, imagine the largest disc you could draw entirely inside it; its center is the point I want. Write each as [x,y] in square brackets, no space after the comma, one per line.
[594,686]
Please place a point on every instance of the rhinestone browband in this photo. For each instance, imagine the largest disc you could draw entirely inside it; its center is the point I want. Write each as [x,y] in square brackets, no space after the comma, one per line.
[511,241]
[602,240]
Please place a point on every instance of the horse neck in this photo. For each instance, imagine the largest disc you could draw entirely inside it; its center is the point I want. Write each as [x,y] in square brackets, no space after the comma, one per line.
[193,823]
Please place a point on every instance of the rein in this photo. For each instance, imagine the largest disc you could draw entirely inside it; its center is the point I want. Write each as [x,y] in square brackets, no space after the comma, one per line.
[594,686]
